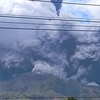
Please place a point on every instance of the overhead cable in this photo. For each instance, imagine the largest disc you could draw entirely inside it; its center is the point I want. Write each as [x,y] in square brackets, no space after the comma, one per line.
[33,23]
[42,18]
[71,3]
[34,29]
[49,17]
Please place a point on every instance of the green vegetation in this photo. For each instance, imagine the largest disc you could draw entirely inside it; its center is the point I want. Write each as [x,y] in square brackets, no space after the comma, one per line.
[70,98]
[31,84]
[12,95]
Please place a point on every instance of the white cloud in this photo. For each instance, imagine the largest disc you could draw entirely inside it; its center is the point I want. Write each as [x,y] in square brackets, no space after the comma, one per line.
[93,84]
[87,51]
[81,71]
[12,60]
[47,44]
[94,9]
[25,7]
[84,81]
[83,10]
[43,67]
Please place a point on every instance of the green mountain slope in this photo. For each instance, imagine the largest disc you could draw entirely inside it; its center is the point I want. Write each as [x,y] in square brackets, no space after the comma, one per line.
[31,84]
[12,95]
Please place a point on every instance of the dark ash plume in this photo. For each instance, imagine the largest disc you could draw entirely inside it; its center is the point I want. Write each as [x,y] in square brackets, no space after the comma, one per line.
[57,5]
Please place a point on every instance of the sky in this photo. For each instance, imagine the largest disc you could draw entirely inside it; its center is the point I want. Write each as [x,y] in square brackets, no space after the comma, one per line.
[82,11]
[26,7]
[59,53]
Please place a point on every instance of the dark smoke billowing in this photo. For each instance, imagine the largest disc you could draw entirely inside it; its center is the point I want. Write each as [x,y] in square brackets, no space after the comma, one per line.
[68,55]
[57,5]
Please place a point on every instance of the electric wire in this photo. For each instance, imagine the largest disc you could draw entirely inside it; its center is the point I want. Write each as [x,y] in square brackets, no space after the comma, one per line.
[58,17]
[34,29]
[33,23]
[71,3]
[25,17]
[51,30]
[42,18]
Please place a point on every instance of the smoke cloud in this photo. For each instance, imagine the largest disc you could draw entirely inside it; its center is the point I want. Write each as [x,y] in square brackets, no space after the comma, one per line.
[68,55]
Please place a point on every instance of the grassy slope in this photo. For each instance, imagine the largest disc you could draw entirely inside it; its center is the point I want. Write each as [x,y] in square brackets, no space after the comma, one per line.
[32,84]
[12,96]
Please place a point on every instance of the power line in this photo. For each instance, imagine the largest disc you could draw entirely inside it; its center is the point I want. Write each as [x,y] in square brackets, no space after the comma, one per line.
[8,22]
[57,19]
[33,29]
[12,22]
[71,3]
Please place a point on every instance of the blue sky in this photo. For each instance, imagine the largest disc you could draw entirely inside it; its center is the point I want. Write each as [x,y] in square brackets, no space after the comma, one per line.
[77,11]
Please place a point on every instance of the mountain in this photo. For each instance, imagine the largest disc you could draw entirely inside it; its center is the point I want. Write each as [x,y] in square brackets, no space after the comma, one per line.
[33,85]
[12,95]
[51,56]
[72,54]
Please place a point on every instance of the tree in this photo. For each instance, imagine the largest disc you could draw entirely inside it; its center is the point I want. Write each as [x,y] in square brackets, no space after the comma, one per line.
[70,98]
